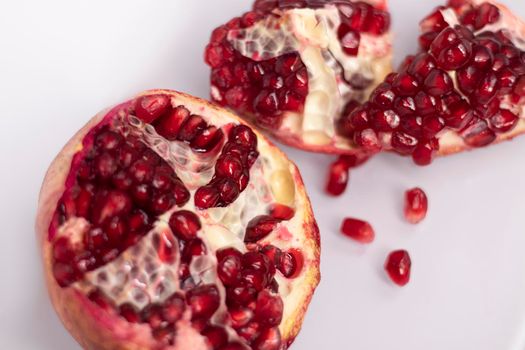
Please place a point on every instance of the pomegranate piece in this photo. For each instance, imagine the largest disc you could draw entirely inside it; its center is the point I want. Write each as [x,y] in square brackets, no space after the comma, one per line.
[135,240]
[416,205]
[358,230]
[398,266]
[262,67]
[461,91]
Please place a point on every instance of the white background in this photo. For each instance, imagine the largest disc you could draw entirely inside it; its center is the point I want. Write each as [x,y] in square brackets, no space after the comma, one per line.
[63,61]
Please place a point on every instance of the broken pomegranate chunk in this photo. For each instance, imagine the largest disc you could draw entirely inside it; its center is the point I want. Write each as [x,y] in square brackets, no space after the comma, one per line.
[358,230]
[462,90]
[398,266]
[156,222]
[290,66]
[416,205]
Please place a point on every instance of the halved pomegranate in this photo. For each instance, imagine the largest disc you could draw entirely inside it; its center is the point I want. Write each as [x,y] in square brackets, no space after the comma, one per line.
[295,67]
[465,89]
[168,223]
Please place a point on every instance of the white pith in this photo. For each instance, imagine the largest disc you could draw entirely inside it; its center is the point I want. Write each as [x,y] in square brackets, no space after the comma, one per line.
[313,34]
[449,140]
[271,181]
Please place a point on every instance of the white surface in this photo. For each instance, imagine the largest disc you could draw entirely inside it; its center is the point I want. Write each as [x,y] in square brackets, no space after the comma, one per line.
[63,61]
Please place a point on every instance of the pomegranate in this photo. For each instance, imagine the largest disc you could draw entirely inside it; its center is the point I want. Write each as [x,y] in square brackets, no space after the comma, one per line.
[416,205]
[339,172]
[358,230]
[464,90]
[398,266]
[169,223]
[295,67]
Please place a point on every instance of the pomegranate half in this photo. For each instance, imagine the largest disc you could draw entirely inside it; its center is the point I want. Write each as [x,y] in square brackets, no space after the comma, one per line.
[465,89]
[294,67]
[169,223]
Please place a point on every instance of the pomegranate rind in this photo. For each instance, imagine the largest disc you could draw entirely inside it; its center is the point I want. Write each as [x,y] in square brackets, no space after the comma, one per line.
[95,328]
[451,143]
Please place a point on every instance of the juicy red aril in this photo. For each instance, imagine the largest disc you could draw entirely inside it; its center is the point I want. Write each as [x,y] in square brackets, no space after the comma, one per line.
[185,224]
[216,336]
[459,115]
[281,212]
[438,83]
[423,154]
[193,248]
[478,134]
[203,301]
[337,178]
[503,121]
[269,309]
[416,205]
[169,125]
[291,263]
[173,309]
[349,39]
[358,230]
[269,339]
[129,313]
[406,85]
[398,265]
[229,266]
[151,107]
[259,228]
[240,317]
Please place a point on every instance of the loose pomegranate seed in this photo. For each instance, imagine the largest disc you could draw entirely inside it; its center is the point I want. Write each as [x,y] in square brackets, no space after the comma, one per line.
[337,178]
[358,230]
[398,265]
[416,205]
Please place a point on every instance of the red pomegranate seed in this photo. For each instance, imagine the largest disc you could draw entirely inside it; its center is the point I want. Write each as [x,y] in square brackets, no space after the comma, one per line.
[229,266]
[282,212]
[227,189]
[173,309]
[349,39]
[149,108]
[291,263]
[129,313]
[241,294]
[272,253]
[229,166]
[185,224]
[358,230]
[203,301]
[406,85]
[164,335]
[416,205]
[423,154]
[459,115]
[398,265]
[269,309]
[269,339]
[193,126]
[478,134]
[216,336]
[438,83]
[403,143]
[195,247]
[337,178]
[503,121]
[260,227]
[169,125]
[206,197]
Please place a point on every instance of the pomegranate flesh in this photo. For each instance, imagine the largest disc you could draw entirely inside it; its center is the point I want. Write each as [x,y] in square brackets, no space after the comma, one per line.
[296,67]
[152,237]
[463,90]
